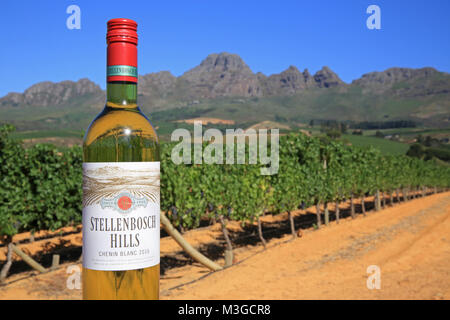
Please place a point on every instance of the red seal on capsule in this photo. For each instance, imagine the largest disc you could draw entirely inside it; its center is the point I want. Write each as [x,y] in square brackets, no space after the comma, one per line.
[122,42]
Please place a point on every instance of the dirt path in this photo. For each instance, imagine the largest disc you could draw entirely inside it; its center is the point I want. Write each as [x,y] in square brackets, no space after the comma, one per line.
[410,243]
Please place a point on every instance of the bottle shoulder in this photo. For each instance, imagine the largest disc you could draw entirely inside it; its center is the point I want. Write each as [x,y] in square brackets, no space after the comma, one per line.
[127,122]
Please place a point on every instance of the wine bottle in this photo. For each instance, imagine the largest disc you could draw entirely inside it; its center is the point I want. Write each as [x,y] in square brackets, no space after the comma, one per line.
[121,216]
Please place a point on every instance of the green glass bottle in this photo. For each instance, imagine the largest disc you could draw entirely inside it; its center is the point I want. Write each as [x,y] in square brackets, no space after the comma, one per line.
[121,184]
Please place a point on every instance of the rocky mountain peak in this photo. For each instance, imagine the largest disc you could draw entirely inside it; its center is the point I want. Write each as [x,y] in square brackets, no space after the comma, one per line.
[292,69]
[406,82]
[287,82]
[48,93]
[222,74]
[222,62]
[158,83]
[394,75]
[326,78]
[309,79]
[306,73]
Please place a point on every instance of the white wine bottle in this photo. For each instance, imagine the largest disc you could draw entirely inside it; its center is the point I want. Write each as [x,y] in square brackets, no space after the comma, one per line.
[121,196]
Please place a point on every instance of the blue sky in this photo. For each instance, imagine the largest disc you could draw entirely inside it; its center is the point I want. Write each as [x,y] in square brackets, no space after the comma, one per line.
[177,35]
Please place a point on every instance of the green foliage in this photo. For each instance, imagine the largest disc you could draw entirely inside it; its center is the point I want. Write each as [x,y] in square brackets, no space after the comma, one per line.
[311,170]
[427,153]
[334,134]
[15,190]
[40,186]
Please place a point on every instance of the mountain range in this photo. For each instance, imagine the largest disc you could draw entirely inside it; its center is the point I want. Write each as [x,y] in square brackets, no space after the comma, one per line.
[224,86]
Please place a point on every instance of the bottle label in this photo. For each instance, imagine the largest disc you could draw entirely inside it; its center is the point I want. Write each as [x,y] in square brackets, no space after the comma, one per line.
[121,217]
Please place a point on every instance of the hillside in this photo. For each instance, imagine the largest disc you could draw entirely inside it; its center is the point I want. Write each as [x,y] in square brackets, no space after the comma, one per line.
[223,86]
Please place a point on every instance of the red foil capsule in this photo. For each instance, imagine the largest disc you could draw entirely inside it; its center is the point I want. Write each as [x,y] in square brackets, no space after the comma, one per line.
[122,50]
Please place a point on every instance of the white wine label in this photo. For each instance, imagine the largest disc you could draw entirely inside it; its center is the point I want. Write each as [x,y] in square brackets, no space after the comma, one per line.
[120,215]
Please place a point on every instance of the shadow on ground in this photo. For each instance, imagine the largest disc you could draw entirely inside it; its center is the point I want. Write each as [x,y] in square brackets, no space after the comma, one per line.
[247,236]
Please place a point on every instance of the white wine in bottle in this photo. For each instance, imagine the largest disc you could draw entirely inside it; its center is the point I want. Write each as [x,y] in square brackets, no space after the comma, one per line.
[121,196]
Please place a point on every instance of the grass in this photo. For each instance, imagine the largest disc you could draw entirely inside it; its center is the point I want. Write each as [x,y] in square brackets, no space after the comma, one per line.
[47,134]
[385,146]
[407,131]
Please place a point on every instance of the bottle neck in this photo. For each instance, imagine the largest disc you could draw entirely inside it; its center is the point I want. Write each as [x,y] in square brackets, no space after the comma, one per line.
[121,94]
[121,74]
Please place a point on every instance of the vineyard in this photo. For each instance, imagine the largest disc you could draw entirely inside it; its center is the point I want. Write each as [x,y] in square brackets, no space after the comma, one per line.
[41,186]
